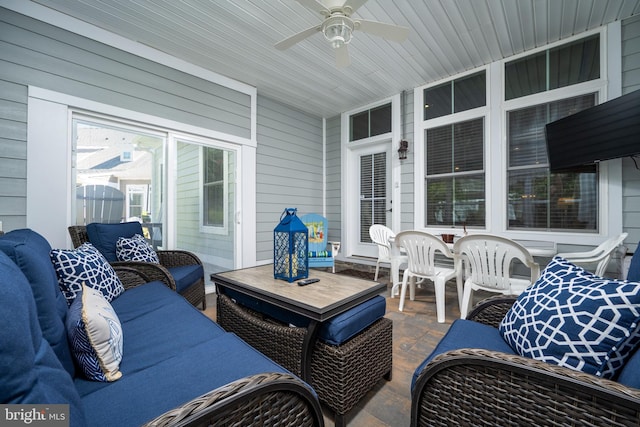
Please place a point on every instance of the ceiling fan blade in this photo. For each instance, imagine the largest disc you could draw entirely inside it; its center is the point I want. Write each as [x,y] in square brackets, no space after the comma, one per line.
[353,5]
[290,41]
[342,56]
[391,32]
[316,6]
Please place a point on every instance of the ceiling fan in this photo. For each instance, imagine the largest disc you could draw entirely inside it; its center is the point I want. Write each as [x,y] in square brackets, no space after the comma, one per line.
[338,27]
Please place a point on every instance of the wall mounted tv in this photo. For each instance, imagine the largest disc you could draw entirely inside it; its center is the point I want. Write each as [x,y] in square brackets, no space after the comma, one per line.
[606,131]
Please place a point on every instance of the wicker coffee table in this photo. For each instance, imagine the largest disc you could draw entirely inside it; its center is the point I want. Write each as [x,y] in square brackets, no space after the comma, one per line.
[341,375]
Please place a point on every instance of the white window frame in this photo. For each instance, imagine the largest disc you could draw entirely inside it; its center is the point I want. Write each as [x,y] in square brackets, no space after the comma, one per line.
[214,229]
[610,175]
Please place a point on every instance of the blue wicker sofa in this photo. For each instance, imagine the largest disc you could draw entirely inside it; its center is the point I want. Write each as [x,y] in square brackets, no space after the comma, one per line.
[177,367]
[565,352]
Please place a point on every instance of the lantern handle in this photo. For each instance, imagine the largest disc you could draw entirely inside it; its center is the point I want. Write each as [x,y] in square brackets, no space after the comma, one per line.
[288,212]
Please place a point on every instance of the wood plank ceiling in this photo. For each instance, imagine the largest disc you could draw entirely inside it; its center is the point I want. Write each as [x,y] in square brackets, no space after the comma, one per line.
[236,39]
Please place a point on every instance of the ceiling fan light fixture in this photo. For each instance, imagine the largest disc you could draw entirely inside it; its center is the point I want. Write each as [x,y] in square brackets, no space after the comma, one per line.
[337,30]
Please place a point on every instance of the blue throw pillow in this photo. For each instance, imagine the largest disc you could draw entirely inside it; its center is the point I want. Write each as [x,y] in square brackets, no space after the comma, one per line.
[87,265]
[95,335]
[573,318]
[135,248]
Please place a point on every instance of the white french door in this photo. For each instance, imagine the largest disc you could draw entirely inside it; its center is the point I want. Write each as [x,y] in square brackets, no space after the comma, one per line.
[370,185]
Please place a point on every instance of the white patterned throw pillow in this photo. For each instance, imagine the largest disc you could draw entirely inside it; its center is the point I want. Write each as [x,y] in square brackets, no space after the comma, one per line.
[95,335]
[573,318]
[85,265]
[135,248]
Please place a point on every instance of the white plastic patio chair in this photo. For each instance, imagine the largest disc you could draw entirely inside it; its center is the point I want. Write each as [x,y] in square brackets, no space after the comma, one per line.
[421,250]
[487,266]
[599,256]
[382,235]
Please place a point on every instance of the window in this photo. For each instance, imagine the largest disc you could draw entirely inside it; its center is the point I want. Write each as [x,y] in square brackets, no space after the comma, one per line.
[455,181]
[118,173]
[213,191]
[376,121]
[539,199]
[137,202]
[484,163]
[458,95]
[562,66]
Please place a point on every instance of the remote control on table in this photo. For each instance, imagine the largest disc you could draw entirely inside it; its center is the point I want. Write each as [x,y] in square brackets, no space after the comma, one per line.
[306,282]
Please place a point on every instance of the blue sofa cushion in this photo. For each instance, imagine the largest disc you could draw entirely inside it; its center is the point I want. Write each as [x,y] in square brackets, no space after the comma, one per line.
[135,248]
[334,331]
[634,267]
[573,318]
[466,334]
[630,373]
[30,370]
[151,334]
[186,275]
[105,236]
[95,334]
[170,382]
[342,327]
[30,252]
[85,265]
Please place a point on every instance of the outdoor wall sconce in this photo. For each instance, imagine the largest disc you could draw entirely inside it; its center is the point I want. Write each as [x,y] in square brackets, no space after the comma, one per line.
[402,151]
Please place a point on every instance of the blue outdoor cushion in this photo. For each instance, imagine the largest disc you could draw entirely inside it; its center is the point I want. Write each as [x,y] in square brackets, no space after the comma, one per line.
[186,275]
[630,373]
[634,267]
[151,335]
[30,370]
[105,236]
[334,331]
[576,319]
[466,334]
[30,252]
[342,327]
[173,381]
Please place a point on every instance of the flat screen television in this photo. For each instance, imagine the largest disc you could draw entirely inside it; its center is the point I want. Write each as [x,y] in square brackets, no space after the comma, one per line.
[606,131]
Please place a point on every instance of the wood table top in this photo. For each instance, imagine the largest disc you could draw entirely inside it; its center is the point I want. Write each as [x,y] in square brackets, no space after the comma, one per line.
[333,294]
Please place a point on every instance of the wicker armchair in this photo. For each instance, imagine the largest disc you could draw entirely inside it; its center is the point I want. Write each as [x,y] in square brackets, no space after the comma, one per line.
[481,387]
[168,258]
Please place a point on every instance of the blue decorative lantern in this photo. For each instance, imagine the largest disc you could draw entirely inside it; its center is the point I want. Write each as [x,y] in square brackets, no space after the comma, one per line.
[290,248]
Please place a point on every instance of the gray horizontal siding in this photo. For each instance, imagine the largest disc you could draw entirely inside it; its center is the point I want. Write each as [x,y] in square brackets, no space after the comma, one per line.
[13,155]
[630,172]
[407,182]
[52,58]
[288,168]
[334,178]
[34,53]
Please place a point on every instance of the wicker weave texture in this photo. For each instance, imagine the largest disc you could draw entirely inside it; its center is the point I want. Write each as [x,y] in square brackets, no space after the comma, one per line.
[195,294]
[496,395]
[269,399]
[342,375]
[282,344]
[492,310]
[488,388]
